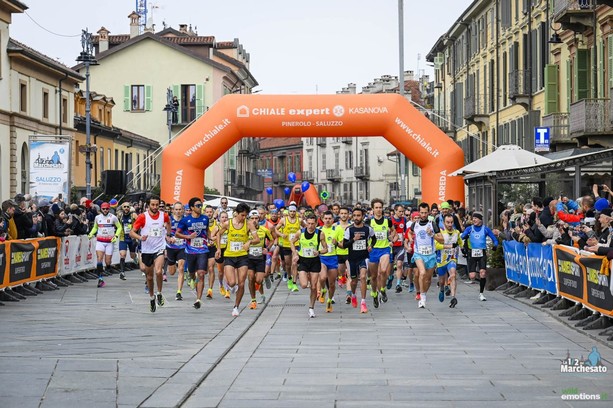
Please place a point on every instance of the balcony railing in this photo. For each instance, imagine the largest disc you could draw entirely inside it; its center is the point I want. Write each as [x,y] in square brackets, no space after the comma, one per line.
[333,174]
[474,105]
[559,127]
[361,172]
[249,147]
[308,175]
[519,83]
[590,116]
[251,181]
[279,177]
[322,142]
[346,140]
[575,14]
[442,119]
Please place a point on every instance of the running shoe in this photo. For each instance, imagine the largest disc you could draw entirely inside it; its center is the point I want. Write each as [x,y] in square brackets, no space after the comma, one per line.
[329,306]
[235,311]
[160,299]
[178,296]
[453,302]
[384,296]
[375,300]
[398,288]
[253,304]
[412,287]
[165,278]
[295,288]
[284,276]
[363,307]
[191,282]
[348,300]
[311,312]
[262,299]
[209,293]
[332,300]
[197,304]
[142,273]
[447,290]
[354,301]
[101,283]
[222,291]
[267,282]
[146,289]
[257,287]
[122,276]
[418,297]
[320,297]
[233,289]
[390,281]
[421,304]
[441,296]
[227,294]
[290,284]
[152,305]
[481,297]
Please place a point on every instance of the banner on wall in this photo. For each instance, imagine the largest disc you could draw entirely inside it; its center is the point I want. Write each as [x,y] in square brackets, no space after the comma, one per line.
[2,264]
[516,262]
[49,166]
[47,257]
[541,273]
[88,253]
[69,254]
[570,273]
[21,262]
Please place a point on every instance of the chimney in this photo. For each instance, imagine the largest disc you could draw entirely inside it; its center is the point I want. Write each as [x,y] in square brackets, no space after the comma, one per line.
[103,39]
[352,88]
[134,24]
[183,28]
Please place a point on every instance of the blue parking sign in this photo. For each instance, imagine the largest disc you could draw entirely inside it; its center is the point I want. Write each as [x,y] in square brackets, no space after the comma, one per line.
[541,139]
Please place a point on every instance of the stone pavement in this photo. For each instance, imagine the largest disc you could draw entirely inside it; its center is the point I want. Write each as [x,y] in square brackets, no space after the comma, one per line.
[87,347]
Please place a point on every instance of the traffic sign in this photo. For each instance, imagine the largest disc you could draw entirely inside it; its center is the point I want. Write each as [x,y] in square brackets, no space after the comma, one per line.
[541,139]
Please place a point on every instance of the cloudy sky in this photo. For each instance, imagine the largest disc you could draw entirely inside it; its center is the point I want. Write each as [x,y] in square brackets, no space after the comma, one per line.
[301,47]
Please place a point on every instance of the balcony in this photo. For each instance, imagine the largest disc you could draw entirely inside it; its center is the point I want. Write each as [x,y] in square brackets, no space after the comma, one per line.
[361,172]
[248,147]
[308,175]
[576,15]
[475,110]
[250,181]
[519,87]
[590,117]
[333,174]
[559,128]
[321,142]
[442,119]
[279,178]
[347,140]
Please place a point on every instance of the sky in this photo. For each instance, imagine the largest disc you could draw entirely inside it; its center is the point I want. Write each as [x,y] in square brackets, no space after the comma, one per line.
[296,47]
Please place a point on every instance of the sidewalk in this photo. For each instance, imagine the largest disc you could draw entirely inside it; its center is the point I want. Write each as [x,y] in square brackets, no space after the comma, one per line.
[81,346]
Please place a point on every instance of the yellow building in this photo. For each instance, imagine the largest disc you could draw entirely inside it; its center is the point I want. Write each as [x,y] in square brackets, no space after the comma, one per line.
[113,148]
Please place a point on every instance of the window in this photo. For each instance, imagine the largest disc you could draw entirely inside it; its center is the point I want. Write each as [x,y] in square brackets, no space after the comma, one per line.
[337,159]
[123,161]
[77,154]
[323,161]
[109,118]
[348,159]
[116,159]
[102,159]
[415,169]
[65,110]
[188,103]
[297,165]
[23,96]
[138,97]
[45,104]
[100,116]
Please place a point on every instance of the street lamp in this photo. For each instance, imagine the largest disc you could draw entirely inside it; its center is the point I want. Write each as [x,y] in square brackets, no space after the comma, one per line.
[170,110]
[87,58]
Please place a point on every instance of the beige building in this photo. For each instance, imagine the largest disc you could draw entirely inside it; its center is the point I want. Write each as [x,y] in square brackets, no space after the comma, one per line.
[36,97]
[138,69]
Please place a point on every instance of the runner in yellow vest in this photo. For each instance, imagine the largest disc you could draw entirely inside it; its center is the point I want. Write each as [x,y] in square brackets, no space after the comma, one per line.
[287,229]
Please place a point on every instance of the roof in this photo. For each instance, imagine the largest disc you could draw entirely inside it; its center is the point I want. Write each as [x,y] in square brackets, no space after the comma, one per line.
[162,40]
[503,158]
[139,139]
[16,6]
[270,143]
[14,47]
[226,44]
[180,38]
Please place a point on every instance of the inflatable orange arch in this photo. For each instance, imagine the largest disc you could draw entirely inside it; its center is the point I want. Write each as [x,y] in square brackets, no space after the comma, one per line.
[236,116]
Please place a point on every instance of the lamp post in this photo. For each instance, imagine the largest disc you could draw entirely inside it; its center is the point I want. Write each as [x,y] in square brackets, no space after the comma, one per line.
[402,160]
[170,109]
[88,59]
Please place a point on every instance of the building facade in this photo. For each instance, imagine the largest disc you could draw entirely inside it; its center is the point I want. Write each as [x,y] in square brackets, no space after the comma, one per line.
[36,98]
[141,68]
[278,157]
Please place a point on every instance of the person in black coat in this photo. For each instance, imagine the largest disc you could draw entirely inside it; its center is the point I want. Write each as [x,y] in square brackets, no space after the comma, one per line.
[23,221]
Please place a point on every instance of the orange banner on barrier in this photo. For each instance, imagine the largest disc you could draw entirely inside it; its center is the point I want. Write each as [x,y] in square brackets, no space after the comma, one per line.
[30,260]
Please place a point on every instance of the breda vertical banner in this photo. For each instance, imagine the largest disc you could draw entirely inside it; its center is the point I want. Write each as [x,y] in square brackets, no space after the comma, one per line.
[49,166]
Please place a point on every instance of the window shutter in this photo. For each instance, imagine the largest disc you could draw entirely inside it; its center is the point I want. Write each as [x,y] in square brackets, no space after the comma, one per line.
[126,98]
[601,85]
[582,77]
[551,89]
[610,57]
[176,91]
[148,96]
[199,100]
[569,89]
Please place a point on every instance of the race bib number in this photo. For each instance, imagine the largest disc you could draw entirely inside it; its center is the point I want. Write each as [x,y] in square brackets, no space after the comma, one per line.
[292,236]
[179,241]
[308,252]
[236,246]
[331,248]
[224,239]
[127,228]
[155,232]
[476,253]
[359,245]
[105,232]
[380,235]
[198,243]
[255,251]
[450,253]
[424,250]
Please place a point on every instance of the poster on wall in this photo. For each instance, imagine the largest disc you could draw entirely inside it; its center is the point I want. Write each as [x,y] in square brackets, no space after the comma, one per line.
[49,167]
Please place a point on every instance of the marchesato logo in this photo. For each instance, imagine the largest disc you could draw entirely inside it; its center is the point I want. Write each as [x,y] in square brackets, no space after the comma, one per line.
[591,364]
[338,111]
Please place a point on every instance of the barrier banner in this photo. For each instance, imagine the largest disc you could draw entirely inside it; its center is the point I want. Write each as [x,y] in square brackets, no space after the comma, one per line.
[47,257]
[599,293]
[516,262]
[2,265]
[88,253]
[69,252]
[541,273]
[570,274]
[21,262]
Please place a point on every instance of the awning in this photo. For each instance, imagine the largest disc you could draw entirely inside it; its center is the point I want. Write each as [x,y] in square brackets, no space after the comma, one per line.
[503,158]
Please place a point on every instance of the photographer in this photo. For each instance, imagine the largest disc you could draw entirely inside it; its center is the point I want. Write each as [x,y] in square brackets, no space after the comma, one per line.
[601,244]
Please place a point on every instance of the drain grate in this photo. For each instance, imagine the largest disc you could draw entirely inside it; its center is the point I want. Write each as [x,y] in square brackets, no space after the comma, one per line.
[288,305]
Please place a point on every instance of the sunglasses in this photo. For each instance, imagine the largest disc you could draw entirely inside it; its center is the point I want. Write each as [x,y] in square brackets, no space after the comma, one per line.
[125,206]
[224,202]
[198,205]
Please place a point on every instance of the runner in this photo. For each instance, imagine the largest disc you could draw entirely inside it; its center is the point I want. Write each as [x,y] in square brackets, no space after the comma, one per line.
[287,228]
[195,229]
[399,221]
[409,265]
[107,230]
[257,258]
[223,243]
[309,262]
[272,258]
[359,240]
[424,232]
[379,257]
[126,217]
[343,253]
[447,257]
[209,212]
[477,235]
[329,260]
[152,229]
[175,249]
[241,234]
